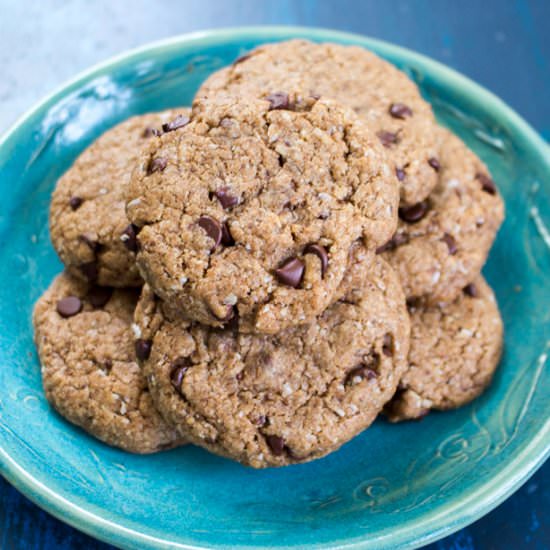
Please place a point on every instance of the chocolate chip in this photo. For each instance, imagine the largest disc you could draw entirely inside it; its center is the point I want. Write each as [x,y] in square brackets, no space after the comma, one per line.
[471,290]
[177,371]
[387,138]
[276,444]
[414,213]
[227,200]
[451,243]
[358,374]
[434,163]
[158,164]
[129,237]
[213,229]
[107,365]
[89,270]
[278,100]
[400,173]
[291,272]
[321,253]
[143,349]
[400,110]
[227,238]
[487,184]
[179,122]
[75,202]
[90,242]
[387,345]
[150,131]
[413,302]
[69,306]
[98,296]
[397,240]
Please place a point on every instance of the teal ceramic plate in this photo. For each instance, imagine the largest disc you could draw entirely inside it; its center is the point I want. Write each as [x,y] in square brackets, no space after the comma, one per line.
[394,486]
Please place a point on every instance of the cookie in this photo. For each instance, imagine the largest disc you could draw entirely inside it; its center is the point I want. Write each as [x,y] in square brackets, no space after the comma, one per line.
[267,400]
[250,209]
[88,224]
[89,372]
[357,78]
[454,352]
[442,243]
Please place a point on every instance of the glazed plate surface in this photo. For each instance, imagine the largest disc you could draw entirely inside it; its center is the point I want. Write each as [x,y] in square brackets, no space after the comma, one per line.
[393,486]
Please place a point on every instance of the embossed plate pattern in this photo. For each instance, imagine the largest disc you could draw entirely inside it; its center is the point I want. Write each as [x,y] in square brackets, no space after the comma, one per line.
[394,486]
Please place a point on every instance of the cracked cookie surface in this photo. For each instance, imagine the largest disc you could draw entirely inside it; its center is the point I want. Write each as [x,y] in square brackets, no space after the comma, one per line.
[269,400]
[357,78]
[88,224]
[248,211]
[453,354]
[89,371]
[442,243]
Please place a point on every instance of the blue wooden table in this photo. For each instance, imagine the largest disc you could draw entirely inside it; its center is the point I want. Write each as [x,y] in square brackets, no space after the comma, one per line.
[502,44]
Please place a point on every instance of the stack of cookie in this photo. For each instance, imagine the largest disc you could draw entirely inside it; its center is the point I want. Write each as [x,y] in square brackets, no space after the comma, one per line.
[265,273]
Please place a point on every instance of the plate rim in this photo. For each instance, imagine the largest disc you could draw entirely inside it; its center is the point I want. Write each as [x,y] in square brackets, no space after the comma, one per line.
[448,518]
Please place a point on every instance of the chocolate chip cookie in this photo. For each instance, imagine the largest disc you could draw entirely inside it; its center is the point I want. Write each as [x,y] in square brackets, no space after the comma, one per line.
[375,89]
[442,243]
[246,213]
[88,223]
[275,400]
[89,371]
[454,351]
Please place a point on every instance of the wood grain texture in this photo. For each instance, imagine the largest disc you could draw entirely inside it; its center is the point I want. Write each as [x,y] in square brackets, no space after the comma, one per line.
[502,45]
